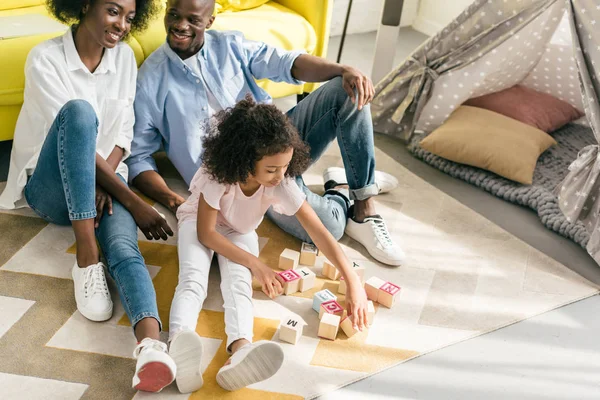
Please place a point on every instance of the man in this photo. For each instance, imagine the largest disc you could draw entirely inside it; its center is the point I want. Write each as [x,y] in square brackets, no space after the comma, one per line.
[197,73]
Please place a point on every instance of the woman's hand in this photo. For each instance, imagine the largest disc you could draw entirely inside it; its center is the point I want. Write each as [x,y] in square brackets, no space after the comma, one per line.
[356,304]
[151,223]
[102,199]
[270,281]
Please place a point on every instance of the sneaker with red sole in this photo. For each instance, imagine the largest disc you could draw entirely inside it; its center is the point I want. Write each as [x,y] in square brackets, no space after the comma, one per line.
[155,369]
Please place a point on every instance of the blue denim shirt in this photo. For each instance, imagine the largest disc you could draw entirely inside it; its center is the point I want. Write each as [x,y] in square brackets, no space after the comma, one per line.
[171,105]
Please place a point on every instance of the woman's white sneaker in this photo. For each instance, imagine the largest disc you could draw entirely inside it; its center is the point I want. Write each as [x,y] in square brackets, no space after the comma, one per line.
[385,181]
[252,363]
[154,369]
[91,292]
[372,233]
[186,351]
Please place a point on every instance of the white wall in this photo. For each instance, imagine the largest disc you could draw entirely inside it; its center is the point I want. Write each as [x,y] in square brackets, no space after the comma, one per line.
[366,15]
[433,15]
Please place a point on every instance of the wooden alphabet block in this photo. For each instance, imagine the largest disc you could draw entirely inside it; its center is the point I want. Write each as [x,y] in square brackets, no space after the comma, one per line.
[372,287]
[321,297]
[342,287]
[307,279]
[290,330]
[370,312]
[291,281]
[387,294]
[330,307]
[308,254]
[330,271]
[328,327]
[289,259]
[360,271]
[347,326]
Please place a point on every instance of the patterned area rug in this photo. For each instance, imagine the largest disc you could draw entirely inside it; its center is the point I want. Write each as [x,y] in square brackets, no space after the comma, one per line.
[464,277]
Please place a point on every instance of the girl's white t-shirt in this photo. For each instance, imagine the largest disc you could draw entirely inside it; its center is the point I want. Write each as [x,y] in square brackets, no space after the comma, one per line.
[236,210]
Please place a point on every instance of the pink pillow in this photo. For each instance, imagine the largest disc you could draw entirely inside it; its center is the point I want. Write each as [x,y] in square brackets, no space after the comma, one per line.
[540,110]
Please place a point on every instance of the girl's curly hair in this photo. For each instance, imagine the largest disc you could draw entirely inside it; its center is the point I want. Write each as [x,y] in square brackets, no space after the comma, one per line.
[240,136]
[69,11]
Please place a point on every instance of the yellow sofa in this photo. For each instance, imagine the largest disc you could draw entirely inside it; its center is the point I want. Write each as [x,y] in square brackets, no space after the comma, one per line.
[289,24]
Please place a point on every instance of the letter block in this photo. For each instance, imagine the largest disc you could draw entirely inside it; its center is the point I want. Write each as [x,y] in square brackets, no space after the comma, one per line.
[387,294]
[342,287]
[330,271]
[328,327]
[370,312]
[307,279]
[292,281]
[290,330]
[360,271]
[289,259]
[330,307]
[321,297]
[372,287]
[308,254]
[347,326]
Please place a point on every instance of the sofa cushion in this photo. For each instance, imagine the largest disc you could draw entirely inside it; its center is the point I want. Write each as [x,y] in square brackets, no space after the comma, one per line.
[238,5]
[490,141]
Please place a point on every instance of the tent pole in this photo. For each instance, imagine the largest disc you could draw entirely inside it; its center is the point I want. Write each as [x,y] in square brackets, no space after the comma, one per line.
[387,37]
[339,57]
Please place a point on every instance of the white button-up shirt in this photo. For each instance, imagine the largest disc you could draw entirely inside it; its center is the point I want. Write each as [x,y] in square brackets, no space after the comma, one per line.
[55,74]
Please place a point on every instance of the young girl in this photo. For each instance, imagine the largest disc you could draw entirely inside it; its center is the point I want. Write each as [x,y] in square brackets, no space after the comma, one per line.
[252,154]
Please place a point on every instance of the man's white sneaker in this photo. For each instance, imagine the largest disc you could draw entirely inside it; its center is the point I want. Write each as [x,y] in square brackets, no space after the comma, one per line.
[373,234]
[154,369]
[91,292]
[186,351]
[252,363]
[385,181]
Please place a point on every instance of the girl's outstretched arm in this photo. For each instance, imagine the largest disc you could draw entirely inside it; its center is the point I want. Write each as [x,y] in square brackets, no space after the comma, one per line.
[208,236]
[356,297]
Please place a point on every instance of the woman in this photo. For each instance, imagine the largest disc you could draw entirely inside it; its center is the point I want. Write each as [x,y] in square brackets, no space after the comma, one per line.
[73,132]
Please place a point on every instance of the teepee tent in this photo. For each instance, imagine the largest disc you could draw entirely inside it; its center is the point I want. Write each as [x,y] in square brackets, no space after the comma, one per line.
[551,46]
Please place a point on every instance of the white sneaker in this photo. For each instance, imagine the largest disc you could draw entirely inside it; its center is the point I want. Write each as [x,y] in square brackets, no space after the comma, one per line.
[154,369]
[91,292]
[186,351]
[252,363]
[385,181]
[373,234]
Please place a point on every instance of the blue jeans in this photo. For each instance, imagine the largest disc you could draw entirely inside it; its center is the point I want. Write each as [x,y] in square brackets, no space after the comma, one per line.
[323,116]
[62,189]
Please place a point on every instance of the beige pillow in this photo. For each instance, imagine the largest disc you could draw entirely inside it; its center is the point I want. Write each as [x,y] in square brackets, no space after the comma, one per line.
[491,141]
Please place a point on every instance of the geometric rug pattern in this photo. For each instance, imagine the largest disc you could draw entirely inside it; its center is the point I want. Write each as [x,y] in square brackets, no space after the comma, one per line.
[464,276]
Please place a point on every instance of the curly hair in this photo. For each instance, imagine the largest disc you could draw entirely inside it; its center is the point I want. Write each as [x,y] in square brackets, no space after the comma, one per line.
[69,11]
[238,137]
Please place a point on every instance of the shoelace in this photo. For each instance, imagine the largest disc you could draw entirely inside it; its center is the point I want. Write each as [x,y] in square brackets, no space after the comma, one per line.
[381,232]
[151,344]
[95,282]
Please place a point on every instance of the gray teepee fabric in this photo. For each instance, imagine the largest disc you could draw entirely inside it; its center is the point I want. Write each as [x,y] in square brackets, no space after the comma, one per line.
[484,28]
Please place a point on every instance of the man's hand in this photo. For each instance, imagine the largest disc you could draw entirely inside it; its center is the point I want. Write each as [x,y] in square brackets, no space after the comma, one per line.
[102,199]
[270,281]
[151,223]
[354,79]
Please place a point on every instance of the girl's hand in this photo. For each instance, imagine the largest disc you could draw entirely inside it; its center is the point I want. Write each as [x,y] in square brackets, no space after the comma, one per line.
[271,282]
[356,304]
[103,199]
[151,223]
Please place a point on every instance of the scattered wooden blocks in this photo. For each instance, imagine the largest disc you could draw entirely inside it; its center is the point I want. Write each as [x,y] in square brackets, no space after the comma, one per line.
[292,281]
[381,291]
[387,294]
[331,307]
[372,287]
[307,279]
[370,312]
[330,271]
[321,297]
[290,330]
[289,259]
[328,327]
[348,326]
[308,254]
[342,287]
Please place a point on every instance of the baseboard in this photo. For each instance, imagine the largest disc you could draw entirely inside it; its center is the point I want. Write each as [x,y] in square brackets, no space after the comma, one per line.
[426,26]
